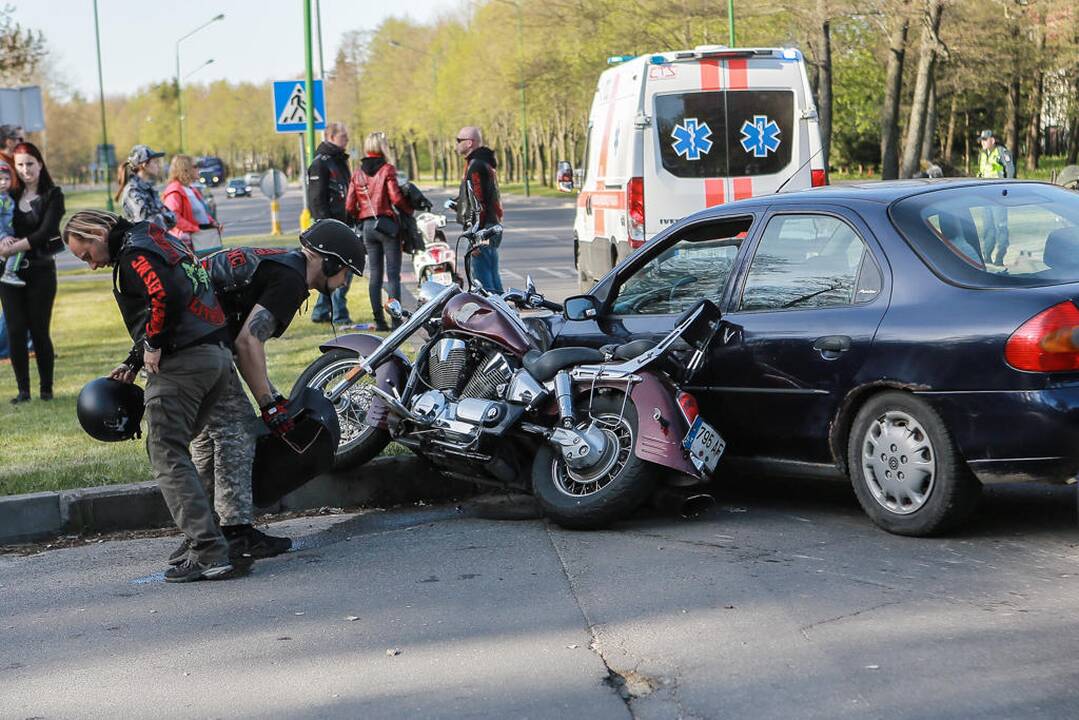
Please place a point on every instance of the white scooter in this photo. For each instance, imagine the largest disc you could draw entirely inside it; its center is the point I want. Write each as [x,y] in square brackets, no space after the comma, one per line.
[437,260]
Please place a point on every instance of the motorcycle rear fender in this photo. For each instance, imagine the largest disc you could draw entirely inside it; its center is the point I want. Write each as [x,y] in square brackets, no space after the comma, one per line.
[389,376]
[661,427]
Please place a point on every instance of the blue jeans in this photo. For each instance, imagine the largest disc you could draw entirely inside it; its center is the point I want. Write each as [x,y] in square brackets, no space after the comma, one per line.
[5,351]
[338,304]
[485,266]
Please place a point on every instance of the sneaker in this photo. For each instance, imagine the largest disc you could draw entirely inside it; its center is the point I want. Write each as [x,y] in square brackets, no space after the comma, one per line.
[180,553]
[10,278]
[254,544]
[191,570]
[20,398]
[262,545]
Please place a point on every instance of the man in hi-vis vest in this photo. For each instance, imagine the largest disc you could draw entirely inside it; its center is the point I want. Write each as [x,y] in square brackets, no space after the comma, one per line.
[994,161]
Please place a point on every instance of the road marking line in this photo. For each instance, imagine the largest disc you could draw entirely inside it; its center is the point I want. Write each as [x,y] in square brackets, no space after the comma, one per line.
[512,274]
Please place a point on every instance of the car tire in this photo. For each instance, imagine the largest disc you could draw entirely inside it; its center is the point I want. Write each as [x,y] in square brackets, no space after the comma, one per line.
[629,482]
[905,468]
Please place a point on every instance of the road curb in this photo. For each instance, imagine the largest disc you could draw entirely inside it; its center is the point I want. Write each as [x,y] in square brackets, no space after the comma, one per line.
[383,482]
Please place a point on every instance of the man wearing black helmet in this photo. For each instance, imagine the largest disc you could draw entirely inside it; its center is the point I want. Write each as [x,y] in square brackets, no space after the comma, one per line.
[260,289]
[181,340]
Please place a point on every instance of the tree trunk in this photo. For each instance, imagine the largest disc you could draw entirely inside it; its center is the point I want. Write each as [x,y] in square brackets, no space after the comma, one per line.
[929,141]
[1011,124]
[1034,128]
[434,158]
[893,91]
[414,160]
[1073,142]
[949,143]
[824,84]
[920,103]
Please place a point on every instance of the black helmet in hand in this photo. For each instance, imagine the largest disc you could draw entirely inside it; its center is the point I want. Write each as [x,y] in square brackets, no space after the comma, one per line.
[337,244]
[110,410]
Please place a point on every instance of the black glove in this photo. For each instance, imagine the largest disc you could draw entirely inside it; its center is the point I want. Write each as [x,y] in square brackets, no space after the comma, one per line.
[276,417]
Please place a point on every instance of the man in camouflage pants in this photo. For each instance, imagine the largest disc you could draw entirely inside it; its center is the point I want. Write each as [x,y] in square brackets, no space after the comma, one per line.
[260,289]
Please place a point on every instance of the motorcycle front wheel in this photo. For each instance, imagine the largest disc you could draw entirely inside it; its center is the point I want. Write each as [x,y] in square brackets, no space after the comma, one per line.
[359,442]
[619,484]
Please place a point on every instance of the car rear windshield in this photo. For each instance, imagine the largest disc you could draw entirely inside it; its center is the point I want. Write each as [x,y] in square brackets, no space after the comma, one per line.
[995,235]
[733,133]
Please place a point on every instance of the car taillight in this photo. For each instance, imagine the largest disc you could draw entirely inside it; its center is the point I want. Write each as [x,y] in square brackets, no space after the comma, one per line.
[635,210]
[688,403]
[1045,343]
[818,178]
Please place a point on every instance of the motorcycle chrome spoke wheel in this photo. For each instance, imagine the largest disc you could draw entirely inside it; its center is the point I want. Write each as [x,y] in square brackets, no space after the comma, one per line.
[352,406]
[579,484]
[899,462]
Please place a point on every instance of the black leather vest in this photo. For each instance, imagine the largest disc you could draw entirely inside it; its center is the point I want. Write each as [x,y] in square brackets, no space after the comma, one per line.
[233,270]
[203,314]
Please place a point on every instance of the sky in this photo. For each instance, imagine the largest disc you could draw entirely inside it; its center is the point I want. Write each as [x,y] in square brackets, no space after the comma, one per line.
[257,40]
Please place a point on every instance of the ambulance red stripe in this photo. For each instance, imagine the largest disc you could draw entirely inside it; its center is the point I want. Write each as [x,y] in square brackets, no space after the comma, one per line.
[711,74]
[738,74]
[743,188]
[714,191]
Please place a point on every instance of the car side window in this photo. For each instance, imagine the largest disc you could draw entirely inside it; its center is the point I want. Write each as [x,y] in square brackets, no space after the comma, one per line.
[810,261]
[698,265]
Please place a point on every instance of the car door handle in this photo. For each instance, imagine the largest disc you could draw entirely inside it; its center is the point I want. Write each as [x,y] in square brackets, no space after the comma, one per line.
[830,346]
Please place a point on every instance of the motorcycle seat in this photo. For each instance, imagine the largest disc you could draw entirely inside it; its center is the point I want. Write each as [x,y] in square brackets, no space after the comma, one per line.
[630,350]
[544,365]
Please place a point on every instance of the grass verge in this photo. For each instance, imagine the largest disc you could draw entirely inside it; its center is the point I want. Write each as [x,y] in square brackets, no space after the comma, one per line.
[43,447]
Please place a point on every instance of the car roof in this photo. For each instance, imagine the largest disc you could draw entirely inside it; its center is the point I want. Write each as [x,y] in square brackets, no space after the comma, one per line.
[883,192]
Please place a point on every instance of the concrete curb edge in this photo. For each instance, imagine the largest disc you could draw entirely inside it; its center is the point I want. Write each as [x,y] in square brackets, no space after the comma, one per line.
[383,482]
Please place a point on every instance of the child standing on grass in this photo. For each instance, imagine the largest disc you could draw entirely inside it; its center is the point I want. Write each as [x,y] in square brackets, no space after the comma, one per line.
[7,220]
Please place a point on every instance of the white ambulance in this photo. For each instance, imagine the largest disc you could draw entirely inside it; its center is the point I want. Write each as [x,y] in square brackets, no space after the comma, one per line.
[676,132]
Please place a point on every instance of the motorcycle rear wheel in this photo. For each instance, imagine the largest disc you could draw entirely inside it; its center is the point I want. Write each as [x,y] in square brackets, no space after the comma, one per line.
[591,503]
[359,442]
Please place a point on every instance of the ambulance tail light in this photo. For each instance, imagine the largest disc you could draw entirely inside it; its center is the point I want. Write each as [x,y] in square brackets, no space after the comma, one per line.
[635,211]
[818,178]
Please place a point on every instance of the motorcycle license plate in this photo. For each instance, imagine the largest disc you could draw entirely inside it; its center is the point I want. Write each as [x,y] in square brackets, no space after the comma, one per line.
[442,278]
[705,445]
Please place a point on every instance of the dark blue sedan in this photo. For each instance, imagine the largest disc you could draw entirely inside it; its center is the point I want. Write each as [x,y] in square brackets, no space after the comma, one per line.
[918,337]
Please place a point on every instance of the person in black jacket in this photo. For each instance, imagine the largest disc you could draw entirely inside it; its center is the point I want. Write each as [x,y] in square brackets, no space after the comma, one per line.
[39,206]
[327,185]
[182,341]
[481,176]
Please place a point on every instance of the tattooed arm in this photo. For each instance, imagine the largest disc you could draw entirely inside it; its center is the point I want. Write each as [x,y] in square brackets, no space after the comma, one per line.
[251,353]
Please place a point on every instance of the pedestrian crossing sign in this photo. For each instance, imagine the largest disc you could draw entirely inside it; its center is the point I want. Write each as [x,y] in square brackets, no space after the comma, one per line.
[290,106]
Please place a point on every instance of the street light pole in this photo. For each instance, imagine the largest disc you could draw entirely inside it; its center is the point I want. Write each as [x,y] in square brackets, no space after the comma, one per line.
[730,21]
[524,104]
[104,131]
[309,111]
[200,67]
[434,89]
[179,89]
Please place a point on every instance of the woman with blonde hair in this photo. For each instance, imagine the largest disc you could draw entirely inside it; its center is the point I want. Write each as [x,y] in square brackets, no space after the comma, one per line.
[186,203]
[374,199]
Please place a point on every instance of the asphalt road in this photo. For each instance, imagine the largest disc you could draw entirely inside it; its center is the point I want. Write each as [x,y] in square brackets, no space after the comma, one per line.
[538,237]
[783,602]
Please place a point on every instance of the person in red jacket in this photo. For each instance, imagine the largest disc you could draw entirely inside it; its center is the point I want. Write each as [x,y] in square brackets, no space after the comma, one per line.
[374,199]
[193,217]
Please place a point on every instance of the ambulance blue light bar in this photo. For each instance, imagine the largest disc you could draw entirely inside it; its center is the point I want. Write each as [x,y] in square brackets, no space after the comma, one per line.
[616,59]
[790,53]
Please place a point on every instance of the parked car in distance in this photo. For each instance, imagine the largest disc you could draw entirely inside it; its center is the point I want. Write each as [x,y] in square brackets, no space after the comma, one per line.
[237,188]
[252,180]
[211,169]
[867,332]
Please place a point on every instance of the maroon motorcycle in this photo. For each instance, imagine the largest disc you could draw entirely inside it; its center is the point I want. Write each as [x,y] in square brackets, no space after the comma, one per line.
[592,433]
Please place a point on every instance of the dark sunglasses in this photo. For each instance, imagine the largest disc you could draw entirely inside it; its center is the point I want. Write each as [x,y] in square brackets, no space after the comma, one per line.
[461,140]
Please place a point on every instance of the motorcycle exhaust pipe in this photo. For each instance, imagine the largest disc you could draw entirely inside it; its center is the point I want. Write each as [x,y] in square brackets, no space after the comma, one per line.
[685,503]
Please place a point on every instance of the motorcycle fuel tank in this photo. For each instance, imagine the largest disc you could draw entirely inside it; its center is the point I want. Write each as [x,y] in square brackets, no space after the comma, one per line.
[476,316]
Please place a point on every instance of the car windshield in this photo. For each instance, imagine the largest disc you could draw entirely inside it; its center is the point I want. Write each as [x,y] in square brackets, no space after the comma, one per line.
[995,235]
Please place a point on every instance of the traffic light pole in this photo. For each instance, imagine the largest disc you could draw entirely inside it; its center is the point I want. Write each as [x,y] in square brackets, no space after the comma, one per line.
[104,131]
